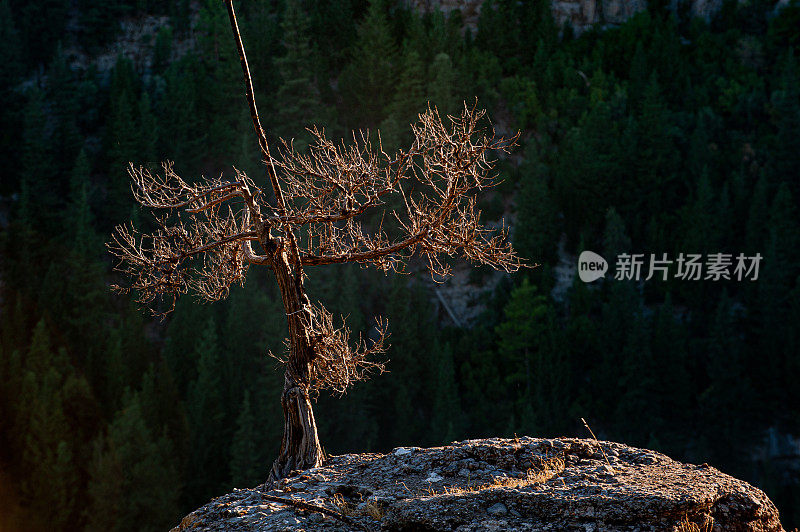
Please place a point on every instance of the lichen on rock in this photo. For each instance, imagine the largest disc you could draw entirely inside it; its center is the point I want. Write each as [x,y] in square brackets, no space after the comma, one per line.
[524,484]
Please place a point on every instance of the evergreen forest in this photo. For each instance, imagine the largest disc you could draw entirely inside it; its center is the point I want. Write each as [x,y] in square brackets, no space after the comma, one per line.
[665,135]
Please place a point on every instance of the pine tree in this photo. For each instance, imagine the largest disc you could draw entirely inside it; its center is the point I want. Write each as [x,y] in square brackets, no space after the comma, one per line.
[10,58]
[590,170]
[701,154]
[443,34]
[44,431]
[213,23]
[345,295]
[205,409]
[656,154]
[349,422]
[108,373]
[615,238]
[181,342]
[333,25]
[83,415]
[401,393]
[757,217]
[519,333]
[133,483]
[620,304]
[66,487]
[442,87]
[408,101]
[181,129]
[298,100]
[640,73]
[267,410]
[791,362]
[536,231]
[532,363]
[78,217]
[784,235]
[581,345]
[164,412]
[106,486]
[62,90]
[779,268]
[220,65]
[245,467]
[254,320]
[537,28]
[41,26]
[38,202]
[700,221]
[447,420]
[666,54]
[248,156]
[636,381]
[727,405]
[10,381]
[499,32]
[672,390]
[785,155]
[162,49]
[73,291]
[368,81]
[123,143]
[136,351]
[100,20]
[148,131]
[262,25]
[180,14]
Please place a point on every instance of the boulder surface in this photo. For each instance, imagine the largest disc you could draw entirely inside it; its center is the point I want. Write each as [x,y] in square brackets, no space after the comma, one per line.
[525,484]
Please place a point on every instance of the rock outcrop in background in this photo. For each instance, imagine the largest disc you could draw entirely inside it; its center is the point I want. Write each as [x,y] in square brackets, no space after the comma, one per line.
[580,14]
[525,484]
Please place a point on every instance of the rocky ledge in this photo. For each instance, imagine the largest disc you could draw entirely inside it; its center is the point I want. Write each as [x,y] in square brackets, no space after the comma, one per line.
[525,484]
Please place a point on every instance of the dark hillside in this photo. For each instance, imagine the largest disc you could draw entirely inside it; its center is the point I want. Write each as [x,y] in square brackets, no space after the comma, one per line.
[665,136]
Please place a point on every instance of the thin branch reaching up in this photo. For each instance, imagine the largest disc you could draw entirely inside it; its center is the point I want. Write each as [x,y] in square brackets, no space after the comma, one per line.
[331,187]
[335,203]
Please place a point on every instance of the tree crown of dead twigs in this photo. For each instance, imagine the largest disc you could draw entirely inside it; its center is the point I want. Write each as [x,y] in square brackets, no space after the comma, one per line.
[204,232]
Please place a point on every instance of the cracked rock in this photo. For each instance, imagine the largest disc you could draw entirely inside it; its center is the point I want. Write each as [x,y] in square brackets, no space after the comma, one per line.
[567,486]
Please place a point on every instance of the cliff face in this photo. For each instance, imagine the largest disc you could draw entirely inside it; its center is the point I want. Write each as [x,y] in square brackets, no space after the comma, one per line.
[525,484]
[581,14]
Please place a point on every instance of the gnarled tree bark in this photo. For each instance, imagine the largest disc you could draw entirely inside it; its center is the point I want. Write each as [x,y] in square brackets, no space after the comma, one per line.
[300,448]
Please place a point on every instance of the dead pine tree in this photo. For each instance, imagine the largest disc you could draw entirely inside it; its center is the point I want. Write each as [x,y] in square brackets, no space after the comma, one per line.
[315,216]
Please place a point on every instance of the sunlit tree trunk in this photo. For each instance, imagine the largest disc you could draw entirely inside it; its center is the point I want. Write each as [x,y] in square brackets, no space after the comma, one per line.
[300,448]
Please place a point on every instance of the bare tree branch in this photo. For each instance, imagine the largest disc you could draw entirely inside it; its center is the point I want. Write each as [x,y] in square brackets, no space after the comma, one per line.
[338,362]
[447,166]
[251,101]
[161,263]
[346,203]
[331,187]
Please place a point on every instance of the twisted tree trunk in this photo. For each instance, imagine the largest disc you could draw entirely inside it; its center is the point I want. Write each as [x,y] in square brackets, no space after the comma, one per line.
[300,448]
